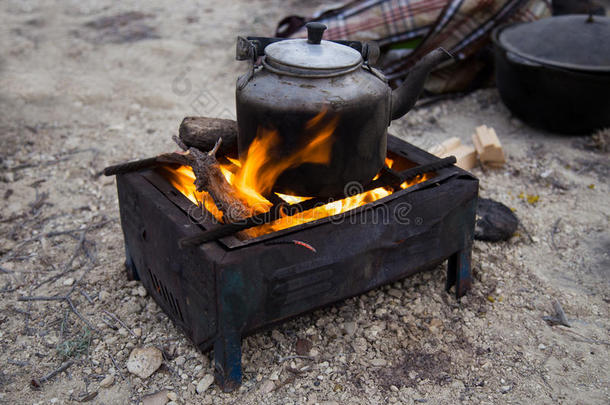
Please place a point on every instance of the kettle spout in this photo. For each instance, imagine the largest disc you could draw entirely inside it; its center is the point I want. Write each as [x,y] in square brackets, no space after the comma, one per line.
[405,96]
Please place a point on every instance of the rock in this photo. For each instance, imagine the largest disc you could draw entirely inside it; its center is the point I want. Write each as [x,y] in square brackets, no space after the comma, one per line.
[495,221]
[395,293]
[132,307]
[303,346]
[267,386]
[349,328]
[140,291]
[110,339]
[158,398]
[180,360]
[69,281]
[541,346]
[172,396]
[107,381]
[137,332]
[379,362]
[205,383]
[103,295]
[457,384]
[276,335]
[505,389]
[143,361]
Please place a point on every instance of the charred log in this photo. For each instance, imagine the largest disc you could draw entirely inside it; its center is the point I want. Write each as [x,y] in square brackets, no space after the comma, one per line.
[209,177]
[203,133]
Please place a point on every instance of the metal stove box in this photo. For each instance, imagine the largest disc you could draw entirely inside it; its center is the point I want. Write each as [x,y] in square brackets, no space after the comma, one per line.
[222,290]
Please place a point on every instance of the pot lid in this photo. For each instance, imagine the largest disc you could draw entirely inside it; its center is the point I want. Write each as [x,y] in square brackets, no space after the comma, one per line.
[312,55]
[577,42]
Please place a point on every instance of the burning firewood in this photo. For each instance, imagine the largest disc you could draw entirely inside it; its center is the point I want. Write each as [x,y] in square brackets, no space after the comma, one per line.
[209,177]
[203,133]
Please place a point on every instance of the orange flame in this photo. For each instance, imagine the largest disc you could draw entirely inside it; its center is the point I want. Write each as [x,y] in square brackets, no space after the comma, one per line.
[260,170]
[255,175]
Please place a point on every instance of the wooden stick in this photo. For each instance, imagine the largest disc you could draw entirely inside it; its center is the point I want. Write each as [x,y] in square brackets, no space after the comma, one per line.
[148,163]
[37,382]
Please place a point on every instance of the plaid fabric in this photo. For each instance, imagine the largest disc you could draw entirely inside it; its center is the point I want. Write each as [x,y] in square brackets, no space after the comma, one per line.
[460,26]
[384,21]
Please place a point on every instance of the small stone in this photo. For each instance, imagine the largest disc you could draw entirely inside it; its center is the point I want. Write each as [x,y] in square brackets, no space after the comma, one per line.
[276,335]
[303,346]
[275,375]
[69,281]
[504,389]
[395,293]
[541,346]
[139,290]
[103,295]
[267,386]
[132,307]
[143,361]
[458,385]
[394,388]
[349,328]
[180,360]
[110,339]
[107,381]
[137,332]
[379,362]
[158,398]
[172,396]
[205,383]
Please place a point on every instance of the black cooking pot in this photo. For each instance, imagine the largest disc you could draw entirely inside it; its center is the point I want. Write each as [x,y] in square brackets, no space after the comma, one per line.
[555,73]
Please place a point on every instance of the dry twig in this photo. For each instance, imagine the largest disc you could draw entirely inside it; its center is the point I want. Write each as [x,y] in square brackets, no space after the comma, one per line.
[117,319]
[37,382]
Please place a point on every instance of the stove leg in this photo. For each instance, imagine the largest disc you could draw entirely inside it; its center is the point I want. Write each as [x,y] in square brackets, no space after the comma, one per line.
[458,272]
[227,359]
[130,267]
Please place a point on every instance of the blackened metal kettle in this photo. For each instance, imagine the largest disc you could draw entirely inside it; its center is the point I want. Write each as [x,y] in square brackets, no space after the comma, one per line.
[327,108]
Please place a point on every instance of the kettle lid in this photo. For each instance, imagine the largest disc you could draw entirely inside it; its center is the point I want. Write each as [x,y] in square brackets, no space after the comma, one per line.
[312,55]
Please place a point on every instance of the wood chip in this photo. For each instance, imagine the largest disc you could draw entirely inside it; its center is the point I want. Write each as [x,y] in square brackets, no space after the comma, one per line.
[488,146]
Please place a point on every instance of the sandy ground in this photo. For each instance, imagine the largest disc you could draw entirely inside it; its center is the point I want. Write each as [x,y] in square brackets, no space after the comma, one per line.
[78,92]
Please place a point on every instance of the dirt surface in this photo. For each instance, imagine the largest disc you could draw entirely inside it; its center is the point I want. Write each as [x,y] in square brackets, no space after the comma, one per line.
[84,84]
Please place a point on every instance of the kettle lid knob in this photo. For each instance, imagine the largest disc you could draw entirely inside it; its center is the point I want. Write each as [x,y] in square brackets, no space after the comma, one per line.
[315,30]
